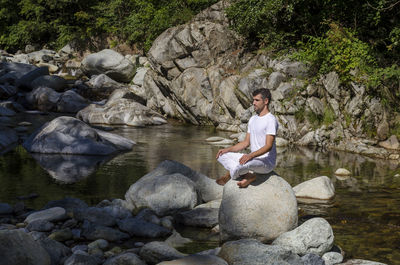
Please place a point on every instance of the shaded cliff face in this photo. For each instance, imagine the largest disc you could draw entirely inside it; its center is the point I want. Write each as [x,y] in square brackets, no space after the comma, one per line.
[202,74]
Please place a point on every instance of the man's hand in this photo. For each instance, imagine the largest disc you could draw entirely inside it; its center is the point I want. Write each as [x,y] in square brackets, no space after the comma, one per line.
[245,158]
[222,151]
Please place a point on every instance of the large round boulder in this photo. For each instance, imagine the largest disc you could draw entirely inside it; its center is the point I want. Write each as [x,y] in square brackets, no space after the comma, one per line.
[111,63]
[67,135]
[19,248]
[263,210]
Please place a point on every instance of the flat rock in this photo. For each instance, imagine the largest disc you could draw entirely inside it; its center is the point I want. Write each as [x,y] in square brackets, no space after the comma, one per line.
[200,217]
[156,252]
[320,188]
[94,232]
[51,215]
[94,215]
[67,135]
[140,228]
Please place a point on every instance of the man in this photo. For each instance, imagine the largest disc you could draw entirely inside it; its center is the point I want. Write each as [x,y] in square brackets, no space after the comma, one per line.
[261,132]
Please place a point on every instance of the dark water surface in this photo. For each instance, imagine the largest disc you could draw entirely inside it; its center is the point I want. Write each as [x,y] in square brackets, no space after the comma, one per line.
[365,214]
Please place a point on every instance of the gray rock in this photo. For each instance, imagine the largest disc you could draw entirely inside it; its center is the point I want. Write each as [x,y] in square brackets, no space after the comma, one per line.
[19,68]
[118,211]
[164,194]
[316,106]
[200,217]
[111,63]
[264,210]
[53,81]
[7,91]
[196,260]
[140,228]
[40,226]
[139,76]
[43,55]
[342,172]
[71,102]
[253,252]
[67,135]
[61,235]
[43,98]
[94,232]
[95,215]
[102,86]
[206,187]
[156,252]
[308,139]
[312,259]
[293,69]
[392,143]
[332,258]
[125,259]
[361,262]
[56,250]
[81,259]
[314,236]
[320,188]
[331,83]
[25,82]
[52,215]
[122,111]
[69,204]
[99,243]
[83,248]
[19,248]
[252,81]
[5,208]
[176,240]
[275,79]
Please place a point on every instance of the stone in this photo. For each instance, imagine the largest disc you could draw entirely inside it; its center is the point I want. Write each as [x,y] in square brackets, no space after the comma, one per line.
[94,232]
[52,68]
[94,215]
[308,139]
[101,86]
[342,172]
[156,252]
[196,260]
[40,226]
[125,259]
[122,111]
[293,69]
[275,79]
[280,142]
[320,188]
[139,76]
[392,143]
[253,252]
[316,105]
[67,135]
[140,228]
[176,240]
[312,259]
[361,262]
[7,91]
[19,248]
[313,236]
[206,187]
[52,81]
[43,98]
[25,82]
[71,102]
[56,250]
[199,217]
[61,235]
[52,215]
[80,259]
[99,243]
[8,137]
[332,258]
[164,194]
[69,204]
[111,63]
[331,83]
[382,131]
[263,210]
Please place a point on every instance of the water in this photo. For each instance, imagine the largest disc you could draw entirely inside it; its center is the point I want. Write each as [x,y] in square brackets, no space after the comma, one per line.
[365,214]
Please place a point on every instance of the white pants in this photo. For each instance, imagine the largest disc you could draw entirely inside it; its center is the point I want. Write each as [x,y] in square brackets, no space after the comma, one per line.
[230,161]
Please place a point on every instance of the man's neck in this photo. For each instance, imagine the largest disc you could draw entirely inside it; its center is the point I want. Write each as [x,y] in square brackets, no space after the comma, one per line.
[264,112]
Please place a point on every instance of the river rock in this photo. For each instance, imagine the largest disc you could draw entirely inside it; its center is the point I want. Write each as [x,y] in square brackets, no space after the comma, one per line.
[67,135]
[200,217]
[156,252]
[71,102]
[19,248]
[25,82]
[19,69]
[313,236]
[43,55]
[101,86]
[56,250]
[125,259]
[111,63]
[7,91]
[176,240]
[263,210]
[140,228]
[361,262]
[51,215]
[163,194]
[43,98]
[253,252]
[342,172]
[94,215]
[392,143]
[94,232]
[312,259]
[121,111]
[53,81]
[80,259]
[40,225]
[320,188]
[139,76]
[196,260]
[69,204]
[332,258]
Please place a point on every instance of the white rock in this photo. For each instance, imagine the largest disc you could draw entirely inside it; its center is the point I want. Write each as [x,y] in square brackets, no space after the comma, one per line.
[332,258]
[317,188]
[342,172]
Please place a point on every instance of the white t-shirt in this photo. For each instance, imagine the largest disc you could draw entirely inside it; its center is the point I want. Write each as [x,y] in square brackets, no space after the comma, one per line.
[259,128]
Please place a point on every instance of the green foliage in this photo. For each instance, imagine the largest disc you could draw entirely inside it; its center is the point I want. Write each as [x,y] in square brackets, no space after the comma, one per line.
[56,23]
[339,50]
[329,116]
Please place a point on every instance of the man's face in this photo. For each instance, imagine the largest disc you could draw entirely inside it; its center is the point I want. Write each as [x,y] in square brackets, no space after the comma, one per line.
[259,103]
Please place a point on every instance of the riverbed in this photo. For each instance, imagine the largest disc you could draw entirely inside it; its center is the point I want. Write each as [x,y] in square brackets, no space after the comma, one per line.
[365,213]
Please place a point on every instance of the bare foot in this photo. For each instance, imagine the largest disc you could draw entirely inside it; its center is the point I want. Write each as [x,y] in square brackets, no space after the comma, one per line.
[247,179]
[224,179]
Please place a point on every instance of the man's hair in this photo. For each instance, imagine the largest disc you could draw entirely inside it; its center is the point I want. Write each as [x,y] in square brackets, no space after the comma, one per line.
[264,92]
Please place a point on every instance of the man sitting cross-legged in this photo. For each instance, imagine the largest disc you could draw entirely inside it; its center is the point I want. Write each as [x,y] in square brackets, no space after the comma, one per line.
[261,132]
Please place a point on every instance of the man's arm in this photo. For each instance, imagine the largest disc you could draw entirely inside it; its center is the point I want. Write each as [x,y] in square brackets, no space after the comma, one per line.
[237,147]
[269,140]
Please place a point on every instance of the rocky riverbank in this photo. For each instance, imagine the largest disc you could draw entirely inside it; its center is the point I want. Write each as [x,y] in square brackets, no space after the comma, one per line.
[141,229]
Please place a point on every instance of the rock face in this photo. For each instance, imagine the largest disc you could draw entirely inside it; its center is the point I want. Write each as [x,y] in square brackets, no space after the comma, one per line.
[314,236]
[67,135]
[121,110]
[141,192]
[262,211]
[19,248]
[111,63]
[317,188]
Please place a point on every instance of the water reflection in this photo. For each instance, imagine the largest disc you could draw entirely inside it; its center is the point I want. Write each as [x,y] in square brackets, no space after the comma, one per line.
[70,168]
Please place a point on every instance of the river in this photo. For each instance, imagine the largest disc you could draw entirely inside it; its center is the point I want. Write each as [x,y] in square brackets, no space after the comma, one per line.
[365,213]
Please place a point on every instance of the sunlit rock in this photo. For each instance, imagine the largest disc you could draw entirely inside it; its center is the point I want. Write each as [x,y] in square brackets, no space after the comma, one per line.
[320,188]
